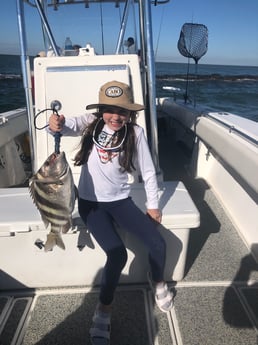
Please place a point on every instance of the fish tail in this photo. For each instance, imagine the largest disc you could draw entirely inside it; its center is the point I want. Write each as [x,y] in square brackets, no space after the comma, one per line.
[59,241]
[54,239]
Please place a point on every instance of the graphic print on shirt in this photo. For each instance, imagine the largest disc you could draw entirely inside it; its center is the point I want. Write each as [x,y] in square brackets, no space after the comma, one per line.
[105,139]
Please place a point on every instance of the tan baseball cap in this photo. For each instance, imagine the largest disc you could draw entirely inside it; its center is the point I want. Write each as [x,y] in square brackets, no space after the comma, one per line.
[117,94]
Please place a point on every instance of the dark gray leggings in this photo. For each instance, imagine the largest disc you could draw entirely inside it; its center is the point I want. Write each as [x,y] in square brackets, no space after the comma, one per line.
[100,218]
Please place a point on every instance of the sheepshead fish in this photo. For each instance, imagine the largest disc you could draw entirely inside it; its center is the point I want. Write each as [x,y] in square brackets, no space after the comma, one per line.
[54,193]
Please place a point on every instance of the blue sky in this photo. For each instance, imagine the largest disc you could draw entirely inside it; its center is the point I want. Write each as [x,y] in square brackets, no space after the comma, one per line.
[232,26]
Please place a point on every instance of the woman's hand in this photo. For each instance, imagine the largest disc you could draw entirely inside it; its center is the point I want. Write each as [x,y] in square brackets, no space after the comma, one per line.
[56,122]
[155,214]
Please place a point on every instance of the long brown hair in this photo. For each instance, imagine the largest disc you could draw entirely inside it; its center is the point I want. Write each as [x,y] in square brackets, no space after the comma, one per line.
[128,148]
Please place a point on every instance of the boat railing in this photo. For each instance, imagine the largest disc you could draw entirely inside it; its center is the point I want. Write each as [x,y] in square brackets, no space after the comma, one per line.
[233,140]
[232,128]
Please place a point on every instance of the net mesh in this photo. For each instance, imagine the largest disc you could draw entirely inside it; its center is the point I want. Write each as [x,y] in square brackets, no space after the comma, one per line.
[193,41]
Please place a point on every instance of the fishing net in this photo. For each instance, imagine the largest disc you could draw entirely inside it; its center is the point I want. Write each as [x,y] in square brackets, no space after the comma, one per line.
[193,41]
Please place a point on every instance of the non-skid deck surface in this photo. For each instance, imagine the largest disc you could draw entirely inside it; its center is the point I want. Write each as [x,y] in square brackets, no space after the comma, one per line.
[64,317]
[203,314]
[215,315]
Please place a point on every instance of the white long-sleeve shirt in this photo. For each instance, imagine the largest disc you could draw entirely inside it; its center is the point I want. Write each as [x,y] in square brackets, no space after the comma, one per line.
[102,179]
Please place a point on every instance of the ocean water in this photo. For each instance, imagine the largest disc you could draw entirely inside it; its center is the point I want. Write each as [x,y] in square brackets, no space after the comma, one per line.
[232,89]
[220,88]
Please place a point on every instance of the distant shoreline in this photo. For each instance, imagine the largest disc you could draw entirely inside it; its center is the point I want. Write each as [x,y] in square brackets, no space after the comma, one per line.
[213,76]
[164,62]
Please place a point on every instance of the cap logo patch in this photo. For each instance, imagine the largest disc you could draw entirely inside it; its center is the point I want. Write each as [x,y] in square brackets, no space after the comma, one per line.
[114,91]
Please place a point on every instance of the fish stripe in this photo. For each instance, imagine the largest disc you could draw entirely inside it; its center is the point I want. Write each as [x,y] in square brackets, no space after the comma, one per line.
[57,209]
[48,213]
[51,214]
[43,199]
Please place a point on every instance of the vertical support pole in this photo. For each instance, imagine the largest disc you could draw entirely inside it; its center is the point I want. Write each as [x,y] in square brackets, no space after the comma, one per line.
[25,65]
[122,27]
[151,84]
[47,28]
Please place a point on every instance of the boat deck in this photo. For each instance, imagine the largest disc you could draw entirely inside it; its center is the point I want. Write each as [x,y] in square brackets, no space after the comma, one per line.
[216,303]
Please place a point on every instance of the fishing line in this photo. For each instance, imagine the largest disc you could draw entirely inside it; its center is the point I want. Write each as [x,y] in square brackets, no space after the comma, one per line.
[120,22]
[102,31]
[135,28]
[161,22]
